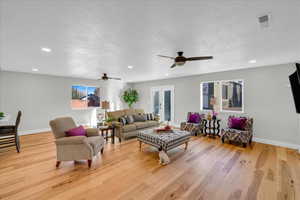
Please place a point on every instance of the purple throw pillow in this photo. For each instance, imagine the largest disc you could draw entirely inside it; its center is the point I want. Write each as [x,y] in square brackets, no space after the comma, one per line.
[237,123]
[194,118]
[78,131]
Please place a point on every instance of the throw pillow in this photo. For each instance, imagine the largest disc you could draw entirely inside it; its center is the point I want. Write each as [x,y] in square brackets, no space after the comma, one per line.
[78,131]
[129,119]
[123,120]
[138,118]
[237,123]
[145,117]
[194,118]
[150,116]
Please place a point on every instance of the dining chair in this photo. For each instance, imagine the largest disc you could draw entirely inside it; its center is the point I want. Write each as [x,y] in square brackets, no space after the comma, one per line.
[9,134]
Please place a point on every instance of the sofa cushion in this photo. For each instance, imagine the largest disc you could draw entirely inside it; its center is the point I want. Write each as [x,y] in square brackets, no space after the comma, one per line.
[140,125]
[139,111]
[153,123]
[116,114]
[129,111]
[129,127]
[139,118]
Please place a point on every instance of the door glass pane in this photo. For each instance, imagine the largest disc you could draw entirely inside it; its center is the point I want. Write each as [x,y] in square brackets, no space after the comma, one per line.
[156,102]
[211,95]
[167,105]
[208,93]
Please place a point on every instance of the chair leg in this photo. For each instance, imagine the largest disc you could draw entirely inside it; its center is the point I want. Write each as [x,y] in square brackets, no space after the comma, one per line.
[57,164]
[244,145]
[90,163]
[17,143]
[223,141]
[102,150]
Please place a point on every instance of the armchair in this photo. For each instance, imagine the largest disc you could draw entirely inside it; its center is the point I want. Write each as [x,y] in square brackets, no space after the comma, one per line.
[242,136]
[194,128]
[75,147]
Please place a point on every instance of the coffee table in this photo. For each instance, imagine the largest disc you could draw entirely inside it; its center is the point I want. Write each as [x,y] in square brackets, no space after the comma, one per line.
[164,141]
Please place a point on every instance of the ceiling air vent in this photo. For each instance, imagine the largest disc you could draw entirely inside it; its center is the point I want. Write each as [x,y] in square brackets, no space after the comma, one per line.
[264,21]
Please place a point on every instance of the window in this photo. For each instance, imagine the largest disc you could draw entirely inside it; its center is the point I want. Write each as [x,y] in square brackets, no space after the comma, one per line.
[84,97]
[226,96]
[232,96]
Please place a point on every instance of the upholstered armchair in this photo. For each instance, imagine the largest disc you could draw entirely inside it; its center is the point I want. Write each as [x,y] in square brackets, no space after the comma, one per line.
[75,147]
[239,135]
[196,126]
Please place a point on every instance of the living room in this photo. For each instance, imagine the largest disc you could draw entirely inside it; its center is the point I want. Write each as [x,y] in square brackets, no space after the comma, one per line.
[149,100]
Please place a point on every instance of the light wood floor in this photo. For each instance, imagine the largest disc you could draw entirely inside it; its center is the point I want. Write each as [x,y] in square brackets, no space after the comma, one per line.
[208,170]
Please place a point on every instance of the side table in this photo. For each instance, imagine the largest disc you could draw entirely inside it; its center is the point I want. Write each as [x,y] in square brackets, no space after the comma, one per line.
[106,129]
[212,127]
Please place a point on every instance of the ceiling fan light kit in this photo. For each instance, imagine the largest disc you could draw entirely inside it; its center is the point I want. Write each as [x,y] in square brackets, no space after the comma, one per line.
[180,59]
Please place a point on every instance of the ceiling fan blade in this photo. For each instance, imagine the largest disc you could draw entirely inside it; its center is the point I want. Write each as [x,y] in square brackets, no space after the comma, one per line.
[166,57]
[174,65]
[114,78]
[199,58]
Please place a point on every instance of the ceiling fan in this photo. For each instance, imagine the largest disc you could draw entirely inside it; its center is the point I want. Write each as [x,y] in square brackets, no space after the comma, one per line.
[180,59]
[105,77]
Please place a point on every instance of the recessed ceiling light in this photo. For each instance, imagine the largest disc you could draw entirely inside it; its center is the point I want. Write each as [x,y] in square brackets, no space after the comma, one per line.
[130,67]
[35,69]
[167,74]
[252,61]
[45,49]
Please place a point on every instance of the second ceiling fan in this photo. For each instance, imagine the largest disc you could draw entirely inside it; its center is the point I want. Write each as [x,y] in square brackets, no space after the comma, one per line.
[180,59]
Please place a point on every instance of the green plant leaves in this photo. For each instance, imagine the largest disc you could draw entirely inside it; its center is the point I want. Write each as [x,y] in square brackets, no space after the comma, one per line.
[130,96]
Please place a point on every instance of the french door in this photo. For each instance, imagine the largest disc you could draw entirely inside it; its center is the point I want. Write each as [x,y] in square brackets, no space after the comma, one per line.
[162,102]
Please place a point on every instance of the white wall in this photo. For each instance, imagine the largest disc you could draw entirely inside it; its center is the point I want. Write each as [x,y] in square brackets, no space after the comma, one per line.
[42,98]
[268,99]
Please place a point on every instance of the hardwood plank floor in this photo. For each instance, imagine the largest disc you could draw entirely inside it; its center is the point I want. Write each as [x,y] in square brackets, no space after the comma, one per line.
[208,170]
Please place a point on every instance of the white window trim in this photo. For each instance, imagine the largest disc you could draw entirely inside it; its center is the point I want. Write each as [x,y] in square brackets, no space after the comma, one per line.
[220,100]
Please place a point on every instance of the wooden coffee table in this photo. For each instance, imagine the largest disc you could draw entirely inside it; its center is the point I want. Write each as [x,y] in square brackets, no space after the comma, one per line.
[164,141]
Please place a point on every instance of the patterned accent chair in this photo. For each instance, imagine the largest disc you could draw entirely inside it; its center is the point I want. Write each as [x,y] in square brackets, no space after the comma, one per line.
[239,136]
[193,128]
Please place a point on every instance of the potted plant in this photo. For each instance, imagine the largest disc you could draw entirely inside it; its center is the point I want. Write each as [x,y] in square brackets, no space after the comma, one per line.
[109,120]
[130,96]
[1,115]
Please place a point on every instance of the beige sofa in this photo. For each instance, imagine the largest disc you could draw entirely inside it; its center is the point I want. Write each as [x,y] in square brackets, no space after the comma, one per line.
[124,132]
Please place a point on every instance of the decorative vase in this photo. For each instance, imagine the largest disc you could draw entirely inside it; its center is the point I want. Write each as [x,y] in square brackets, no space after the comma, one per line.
[209,116]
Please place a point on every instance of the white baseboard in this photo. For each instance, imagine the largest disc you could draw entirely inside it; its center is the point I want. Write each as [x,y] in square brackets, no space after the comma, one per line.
[277,143]
[28,132]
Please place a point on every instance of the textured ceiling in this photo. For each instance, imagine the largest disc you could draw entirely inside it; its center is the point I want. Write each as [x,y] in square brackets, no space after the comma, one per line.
[90,37]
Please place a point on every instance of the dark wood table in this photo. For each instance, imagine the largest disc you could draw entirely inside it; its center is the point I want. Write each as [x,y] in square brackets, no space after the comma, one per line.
[105,130]
[212,127]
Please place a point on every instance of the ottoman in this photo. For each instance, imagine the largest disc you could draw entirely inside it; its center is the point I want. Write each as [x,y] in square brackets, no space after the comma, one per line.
[164,141]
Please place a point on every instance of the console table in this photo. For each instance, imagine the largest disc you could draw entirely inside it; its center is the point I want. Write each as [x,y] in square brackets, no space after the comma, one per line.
[212,127]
